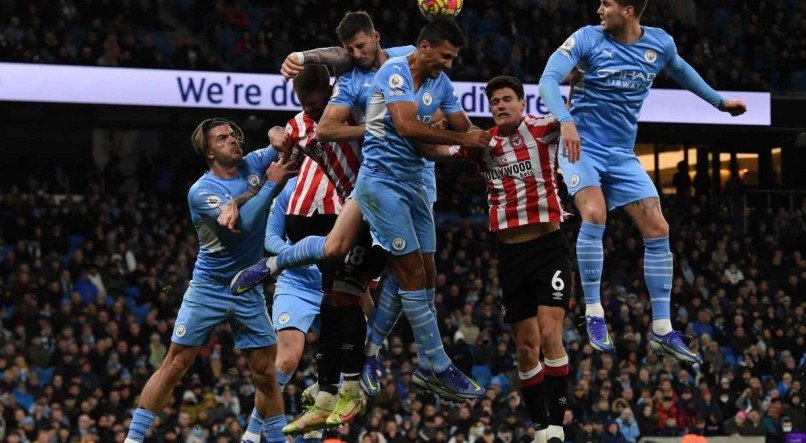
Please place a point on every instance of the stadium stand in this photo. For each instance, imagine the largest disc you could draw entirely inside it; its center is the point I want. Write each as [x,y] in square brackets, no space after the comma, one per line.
[755,46]
[91,279]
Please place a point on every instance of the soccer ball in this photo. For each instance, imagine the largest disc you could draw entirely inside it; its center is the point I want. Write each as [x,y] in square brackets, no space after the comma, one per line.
[436,8]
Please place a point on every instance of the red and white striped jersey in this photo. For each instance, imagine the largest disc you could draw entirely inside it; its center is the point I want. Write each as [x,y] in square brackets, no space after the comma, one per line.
[520,173]
[313,193]
[339,160]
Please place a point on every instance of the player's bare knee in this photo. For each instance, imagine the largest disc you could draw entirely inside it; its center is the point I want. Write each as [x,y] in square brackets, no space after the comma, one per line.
[412,279]
[175,369]
[550,341]
[287,360]
[266,381]
[659,228]
[594,214]
[528,353]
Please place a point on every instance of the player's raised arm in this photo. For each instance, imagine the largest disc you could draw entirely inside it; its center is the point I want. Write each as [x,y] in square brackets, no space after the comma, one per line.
[333,127]
[558,68]
[687,77]
[334,56]
[333,123]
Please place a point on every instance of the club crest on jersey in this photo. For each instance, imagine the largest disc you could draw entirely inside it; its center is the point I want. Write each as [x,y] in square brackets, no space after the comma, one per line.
[515,139]
[574,180]
[213,201]
[396,81]
[568,44]
[253,180]
[181,330]
[398,243]
[650,56]
[335,91]
[427,99]
[283,318]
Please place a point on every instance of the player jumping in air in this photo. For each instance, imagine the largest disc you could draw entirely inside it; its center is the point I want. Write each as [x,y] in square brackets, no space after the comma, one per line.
[620,59]
[534,257]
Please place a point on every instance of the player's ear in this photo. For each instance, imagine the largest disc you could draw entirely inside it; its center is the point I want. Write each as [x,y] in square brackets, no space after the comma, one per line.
[376,36]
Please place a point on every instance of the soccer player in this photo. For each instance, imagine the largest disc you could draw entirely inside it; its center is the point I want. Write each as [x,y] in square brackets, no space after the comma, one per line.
[405,95]
[311,210]
[343,120]
[620,59]
[358,36]
[207,301]
[534,257]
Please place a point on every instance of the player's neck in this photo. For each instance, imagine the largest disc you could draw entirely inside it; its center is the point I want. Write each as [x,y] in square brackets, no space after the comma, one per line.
[507,130]
[380,59]
[629,33]
[225,172]
[418,71]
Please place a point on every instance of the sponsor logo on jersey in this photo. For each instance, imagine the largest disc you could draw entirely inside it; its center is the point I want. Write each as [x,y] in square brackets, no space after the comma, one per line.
[520,169]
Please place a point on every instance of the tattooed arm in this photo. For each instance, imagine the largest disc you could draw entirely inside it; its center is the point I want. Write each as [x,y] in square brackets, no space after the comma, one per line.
[334,56]
[228,217]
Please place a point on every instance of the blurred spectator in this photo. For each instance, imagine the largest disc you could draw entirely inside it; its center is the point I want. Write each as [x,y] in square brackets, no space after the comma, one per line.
[733,45]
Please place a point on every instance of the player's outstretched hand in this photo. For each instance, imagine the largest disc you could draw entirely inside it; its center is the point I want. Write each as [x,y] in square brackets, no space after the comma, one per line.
[228,218]
[734,107]
[570,140]
[291,66]
[281,170]
[477,139]
[281,140]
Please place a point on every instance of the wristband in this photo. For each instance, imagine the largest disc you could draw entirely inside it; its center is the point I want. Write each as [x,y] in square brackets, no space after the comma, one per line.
[300,58]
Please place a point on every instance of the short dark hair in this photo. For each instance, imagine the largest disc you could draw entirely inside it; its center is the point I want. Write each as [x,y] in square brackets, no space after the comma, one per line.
[352,23]
[504,81]
[311,79]
[441,29]
[638,5]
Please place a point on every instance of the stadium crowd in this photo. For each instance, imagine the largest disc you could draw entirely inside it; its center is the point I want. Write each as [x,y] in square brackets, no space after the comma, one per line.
[91,285]
[735,45]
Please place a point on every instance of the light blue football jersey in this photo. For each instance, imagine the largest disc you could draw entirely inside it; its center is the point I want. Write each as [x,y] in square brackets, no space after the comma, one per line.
[306,277]
[353,89]
[223,253]
[616,80]
[386,154]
